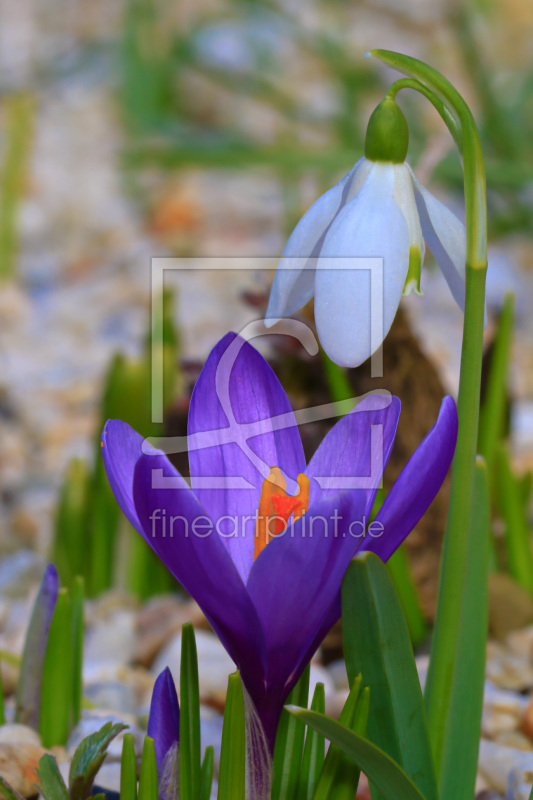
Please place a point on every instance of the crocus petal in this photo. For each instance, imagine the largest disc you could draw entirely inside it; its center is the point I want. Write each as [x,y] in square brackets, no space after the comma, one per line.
[446,237]
[416,487]
[346,310]
[197,558]
[295,580]
[294,281]
[121,449]
[240,425]
[164,718]
[354,453]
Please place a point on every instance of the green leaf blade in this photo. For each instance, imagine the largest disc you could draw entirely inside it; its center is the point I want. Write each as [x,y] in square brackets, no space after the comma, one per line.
[461,745]
[314,747]
[128,769]
[288,751]
[206,773]
[51,783]
[388,777]
[88,759]
[339,776]
[56,691]
[148,784]
[8,792]
[189,750]
[231,774]
[377,644]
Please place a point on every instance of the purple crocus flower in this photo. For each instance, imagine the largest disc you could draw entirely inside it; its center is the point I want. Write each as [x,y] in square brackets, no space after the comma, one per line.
[271,605]
[164,717]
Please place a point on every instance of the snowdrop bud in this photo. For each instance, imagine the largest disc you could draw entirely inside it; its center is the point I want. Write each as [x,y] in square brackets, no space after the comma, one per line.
[387,134]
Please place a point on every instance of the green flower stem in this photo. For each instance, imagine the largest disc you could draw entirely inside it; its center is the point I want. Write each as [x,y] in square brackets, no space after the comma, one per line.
[444,651]
[446,115]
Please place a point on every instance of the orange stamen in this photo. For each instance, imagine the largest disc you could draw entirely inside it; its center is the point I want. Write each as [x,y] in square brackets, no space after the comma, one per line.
[276,507]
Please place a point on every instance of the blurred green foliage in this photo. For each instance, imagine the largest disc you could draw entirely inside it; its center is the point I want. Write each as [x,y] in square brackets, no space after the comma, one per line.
[238,52]
[90,530]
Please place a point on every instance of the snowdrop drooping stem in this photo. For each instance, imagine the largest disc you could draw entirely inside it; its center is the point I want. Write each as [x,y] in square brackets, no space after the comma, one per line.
[446,652]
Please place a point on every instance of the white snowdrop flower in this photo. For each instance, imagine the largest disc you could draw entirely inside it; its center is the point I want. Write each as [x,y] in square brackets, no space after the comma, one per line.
[379,209]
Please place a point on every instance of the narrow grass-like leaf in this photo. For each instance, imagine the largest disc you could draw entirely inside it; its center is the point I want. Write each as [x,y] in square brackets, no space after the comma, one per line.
[148,785]
[313,757]
[190,757]
[78,629]
[377,645]
[231,773]
[31,668]
[388,777]
[339,776]
[104,520]
[517,532]
[400,572]
[128,769]
[147,67]
[493,408]
[71,527]
[460,757]
[206,773]
[8,792]
[88,759]
[289,745]
[51,784]
[20,116]
[146,575]
[56,692]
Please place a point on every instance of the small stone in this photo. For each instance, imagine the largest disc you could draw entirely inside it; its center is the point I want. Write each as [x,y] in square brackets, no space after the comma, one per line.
[10,676]
[335,703]
[158,621]
[422,666]
[141,683]
[481,785]
[498,764]
[520,643]
[506,670]
[108,776]
[319,674]
[211,731]
[25,527]
[337,671]
[515,739]
[510,606]
[112,696]
[526,726]
[20,572]
[18,764]
[19,733]
[109,646]
[502,711]
[363,790]
[487,794]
